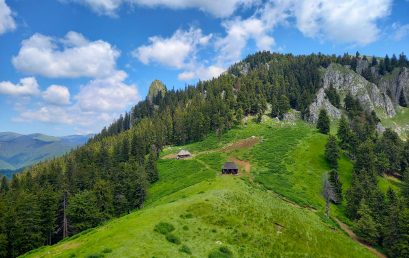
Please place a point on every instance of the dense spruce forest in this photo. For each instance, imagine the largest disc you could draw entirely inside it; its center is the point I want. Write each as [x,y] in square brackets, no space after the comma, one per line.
[109,176]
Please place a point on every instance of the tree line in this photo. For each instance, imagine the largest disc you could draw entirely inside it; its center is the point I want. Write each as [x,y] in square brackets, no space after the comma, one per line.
[378,218]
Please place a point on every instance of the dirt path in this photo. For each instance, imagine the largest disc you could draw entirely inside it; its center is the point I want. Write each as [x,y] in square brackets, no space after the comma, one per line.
[241,144]
[352,235]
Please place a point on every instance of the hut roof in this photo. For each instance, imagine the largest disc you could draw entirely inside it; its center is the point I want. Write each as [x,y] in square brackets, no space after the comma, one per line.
[230,165]
[184,153]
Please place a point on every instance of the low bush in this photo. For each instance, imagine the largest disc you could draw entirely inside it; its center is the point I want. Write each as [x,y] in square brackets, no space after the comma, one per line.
[164,228]
[172,238]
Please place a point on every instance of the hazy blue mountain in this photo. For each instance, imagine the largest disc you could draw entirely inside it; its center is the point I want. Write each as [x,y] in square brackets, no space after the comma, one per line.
[18,151]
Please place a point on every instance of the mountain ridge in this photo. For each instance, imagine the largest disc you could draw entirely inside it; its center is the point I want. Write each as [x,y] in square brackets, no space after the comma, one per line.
[18,151]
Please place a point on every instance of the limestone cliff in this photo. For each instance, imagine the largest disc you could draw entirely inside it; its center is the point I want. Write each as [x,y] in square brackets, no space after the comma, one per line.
[395,84]
[345,80]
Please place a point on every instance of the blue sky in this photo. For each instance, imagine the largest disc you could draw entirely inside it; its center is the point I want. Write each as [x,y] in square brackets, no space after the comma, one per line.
[72,66]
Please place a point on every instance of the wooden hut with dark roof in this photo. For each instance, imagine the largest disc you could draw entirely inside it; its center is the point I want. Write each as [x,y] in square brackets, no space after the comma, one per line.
[230,168]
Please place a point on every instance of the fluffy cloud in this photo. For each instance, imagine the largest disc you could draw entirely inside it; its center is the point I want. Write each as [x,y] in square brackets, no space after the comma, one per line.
[104,7]
[69,57]
[179,52]
[239,32]
[343,22]
[7,22]
[107,95]
[97,104]
[351,21]
[26,87]
[216,8]
[201,72]
[173,51]
[57,95]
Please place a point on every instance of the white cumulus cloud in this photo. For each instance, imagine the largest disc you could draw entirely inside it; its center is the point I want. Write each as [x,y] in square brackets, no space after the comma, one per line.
[216,8]
[239,32]
[57,95]
[26,87]
[107,95]
[174,51]
[97,104]
[345,22]
[70,57]
[180,52]
[7,22]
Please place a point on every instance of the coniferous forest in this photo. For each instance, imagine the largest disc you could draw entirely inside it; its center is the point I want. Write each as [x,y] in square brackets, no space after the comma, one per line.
[109,176]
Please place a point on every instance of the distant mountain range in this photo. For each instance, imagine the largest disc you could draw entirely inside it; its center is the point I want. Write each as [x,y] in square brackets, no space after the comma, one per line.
[18,151]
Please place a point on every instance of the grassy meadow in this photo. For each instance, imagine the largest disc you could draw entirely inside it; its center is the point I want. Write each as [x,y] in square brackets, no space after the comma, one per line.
[273,208]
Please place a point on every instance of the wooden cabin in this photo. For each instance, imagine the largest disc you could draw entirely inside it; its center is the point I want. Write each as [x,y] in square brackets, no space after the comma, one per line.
[230,168]
[183,154]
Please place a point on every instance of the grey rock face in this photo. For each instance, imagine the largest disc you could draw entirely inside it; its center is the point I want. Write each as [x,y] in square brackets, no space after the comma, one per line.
[345,80]
[396,83]
[321,102]
[361,65]
[292,116]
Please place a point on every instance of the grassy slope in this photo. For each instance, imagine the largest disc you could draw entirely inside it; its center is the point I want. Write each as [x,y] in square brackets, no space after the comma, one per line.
[245,216]
[399,122]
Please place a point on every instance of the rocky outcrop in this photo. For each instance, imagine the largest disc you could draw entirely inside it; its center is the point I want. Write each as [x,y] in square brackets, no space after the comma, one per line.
[361,64]
[345,80]
[292,116]
[396,83]
[321,102]
[154,89]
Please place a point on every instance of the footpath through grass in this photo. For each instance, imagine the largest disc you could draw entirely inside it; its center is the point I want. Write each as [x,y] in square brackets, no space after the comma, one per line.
[224,213]
[204,214]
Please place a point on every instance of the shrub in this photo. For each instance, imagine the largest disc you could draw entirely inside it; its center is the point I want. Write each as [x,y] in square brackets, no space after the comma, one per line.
[222,252]
[172,238]
[164,228]
[186,228]
[185,249]
[107,250]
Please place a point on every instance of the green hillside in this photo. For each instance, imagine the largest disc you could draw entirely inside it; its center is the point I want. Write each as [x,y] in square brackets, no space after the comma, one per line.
[273,208]
[18,151]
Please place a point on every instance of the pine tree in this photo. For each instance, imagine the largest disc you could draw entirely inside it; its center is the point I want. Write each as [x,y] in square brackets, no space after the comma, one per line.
[323,122]
[333,96]
[82,211]
[48,205]
[365,226]
[104,198]
[283,106]
[332,152]
[344,133]
[151,168]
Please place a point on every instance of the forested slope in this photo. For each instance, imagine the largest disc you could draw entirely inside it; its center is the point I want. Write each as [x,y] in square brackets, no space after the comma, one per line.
[110,176]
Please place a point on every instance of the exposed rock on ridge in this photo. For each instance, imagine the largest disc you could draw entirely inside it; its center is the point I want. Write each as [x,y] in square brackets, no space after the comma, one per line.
[395,84]
[345,80]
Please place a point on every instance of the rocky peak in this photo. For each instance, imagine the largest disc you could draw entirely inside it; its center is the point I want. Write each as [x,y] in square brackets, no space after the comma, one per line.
[156,87]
